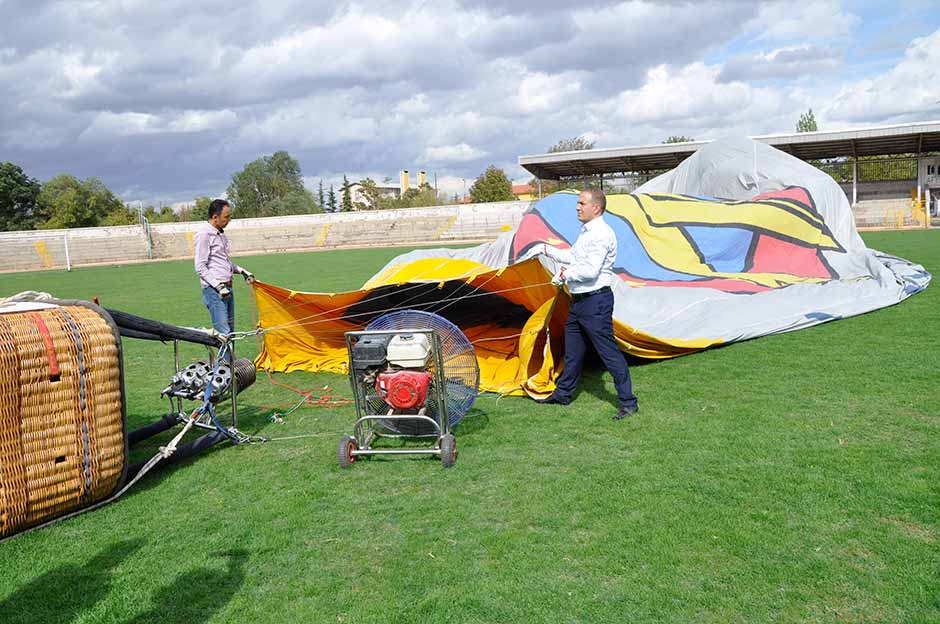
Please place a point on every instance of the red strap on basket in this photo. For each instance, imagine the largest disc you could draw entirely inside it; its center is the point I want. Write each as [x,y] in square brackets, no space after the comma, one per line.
[50,347]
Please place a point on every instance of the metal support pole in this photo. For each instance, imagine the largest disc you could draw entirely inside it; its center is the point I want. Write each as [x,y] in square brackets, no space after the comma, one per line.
[68,259]
[540,187]
[235,388]
[854,182]
[600,178]
[927,203]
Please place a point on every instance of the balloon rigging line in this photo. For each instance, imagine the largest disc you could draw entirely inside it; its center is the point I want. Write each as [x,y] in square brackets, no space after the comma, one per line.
[478,287]
[300,304]
[307,321]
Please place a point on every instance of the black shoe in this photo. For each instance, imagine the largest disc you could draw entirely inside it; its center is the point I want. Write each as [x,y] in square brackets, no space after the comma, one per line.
[551,401]
[626,412]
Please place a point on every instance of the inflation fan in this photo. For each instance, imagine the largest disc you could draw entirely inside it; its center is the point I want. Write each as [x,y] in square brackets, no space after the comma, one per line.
[414,375]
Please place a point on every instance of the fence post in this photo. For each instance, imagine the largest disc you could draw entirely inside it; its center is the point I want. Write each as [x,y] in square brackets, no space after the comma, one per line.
[145,227]
[68,259]
[854,182]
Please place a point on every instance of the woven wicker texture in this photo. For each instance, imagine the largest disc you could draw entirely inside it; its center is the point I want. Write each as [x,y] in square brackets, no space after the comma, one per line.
[62,443]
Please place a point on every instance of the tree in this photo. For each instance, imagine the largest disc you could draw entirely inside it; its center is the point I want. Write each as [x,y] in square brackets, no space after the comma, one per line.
[372,197]
[122,215]
[678,139]
[296,202]
[807,122]
[68,202]
[574,144]
[199,211]
[414,197]
[332,200]
[164,215]
[18,196]
[347,196]
[320,196]
[492,185]
[259,189]
[425,196]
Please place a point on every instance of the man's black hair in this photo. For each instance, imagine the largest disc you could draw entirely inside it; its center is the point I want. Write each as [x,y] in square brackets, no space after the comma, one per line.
[216,206]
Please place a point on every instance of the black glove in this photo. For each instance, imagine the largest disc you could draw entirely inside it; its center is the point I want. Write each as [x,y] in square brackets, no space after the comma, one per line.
[224,291]
[248,275]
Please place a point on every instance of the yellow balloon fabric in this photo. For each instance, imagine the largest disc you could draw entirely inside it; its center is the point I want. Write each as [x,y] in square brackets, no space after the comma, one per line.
[513,316]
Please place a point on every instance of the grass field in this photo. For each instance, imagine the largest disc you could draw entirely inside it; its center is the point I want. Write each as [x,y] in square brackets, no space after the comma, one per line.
[792,478]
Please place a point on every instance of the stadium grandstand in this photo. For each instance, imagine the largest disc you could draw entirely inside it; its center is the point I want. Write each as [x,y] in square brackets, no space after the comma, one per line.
[890,174]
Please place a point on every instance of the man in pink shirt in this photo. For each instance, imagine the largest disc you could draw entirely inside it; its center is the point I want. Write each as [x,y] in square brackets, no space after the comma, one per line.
[215,267]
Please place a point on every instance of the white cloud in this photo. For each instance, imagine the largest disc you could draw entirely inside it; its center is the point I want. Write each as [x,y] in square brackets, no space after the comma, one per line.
[692,96]
[196,121]
[80,75]
[325,120]
[460,152]
[908,92]
[787,62]
[415,105]
[453,185]
[541,92]
[799,21]
[181,99]
[107,124]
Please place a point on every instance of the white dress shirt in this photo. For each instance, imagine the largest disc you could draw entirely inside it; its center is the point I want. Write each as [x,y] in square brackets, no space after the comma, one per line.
[590,261]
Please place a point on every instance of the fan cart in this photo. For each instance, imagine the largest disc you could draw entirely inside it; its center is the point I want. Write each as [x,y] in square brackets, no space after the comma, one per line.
[414,375]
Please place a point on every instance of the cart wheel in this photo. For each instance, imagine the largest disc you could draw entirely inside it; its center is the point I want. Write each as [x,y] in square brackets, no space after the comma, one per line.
[347,444]
[448,450]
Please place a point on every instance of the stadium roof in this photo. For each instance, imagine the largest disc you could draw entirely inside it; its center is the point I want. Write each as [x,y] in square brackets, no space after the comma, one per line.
[874,141]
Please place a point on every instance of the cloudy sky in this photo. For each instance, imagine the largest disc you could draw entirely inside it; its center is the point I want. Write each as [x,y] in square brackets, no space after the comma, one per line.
[165,100]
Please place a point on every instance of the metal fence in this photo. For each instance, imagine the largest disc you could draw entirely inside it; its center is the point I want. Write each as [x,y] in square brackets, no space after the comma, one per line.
[612,183]
[870,170]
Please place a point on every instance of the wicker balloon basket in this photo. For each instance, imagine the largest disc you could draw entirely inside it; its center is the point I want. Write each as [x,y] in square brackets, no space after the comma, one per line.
[63,444]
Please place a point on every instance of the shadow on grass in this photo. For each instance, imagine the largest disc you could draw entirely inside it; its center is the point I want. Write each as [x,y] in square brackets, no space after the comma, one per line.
[197,594]
[63,594]
[473,422]
[145,449]
[593,384]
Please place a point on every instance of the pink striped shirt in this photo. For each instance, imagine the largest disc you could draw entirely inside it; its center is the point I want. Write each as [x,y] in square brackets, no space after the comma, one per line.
[212,258]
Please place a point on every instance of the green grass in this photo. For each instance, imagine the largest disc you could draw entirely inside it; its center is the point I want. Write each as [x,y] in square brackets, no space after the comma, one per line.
[787,479]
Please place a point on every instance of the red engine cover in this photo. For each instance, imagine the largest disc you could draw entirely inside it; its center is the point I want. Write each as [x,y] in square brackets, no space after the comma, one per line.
[403,389]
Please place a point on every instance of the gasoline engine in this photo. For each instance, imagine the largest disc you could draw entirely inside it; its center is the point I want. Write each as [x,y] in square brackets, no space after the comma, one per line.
[413,374]
[396,366]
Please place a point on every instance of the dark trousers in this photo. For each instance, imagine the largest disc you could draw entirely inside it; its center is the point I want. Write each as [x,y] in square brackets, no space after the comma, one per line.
[590,321]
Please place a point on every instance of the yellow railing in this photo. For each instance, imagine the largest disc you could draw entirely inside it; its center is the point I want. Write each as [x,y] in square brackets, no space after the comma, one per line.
[919,210]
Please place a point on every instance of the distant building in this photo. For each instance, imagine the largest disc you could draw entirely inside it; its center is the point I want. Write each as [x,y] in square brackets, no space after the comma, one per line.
[386,189]
[525,191]
[389,190]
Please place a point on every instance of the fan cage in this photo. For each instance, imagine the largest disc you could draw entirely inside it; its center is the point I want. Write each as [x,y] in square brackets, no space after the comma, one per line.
[461,371]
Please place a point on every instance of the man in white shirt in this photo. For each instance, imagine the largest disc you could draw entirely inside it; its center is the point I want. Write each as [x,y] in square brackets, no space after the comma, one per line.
[215,268]
[587,269]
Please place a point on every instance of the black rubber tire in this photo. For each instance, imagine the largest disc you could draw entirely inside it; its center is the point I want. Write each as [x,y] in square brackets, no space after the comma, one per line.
[347,444]
[448,450]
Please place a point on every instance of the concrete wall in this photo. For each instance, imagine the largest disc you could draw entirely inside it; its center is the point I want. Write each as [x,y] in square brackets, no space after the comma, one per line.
[46,249]
[889,189]
[49,249]
[882,204]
